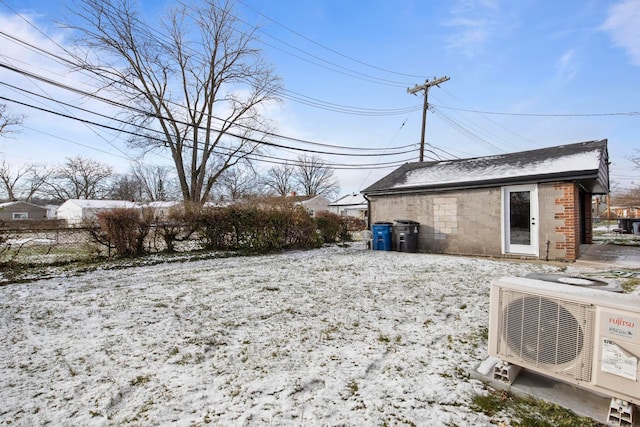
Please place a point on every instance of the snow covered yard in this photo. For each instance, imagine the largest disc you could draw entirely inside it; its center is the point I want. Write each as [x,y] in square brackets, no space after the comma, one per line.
[335,336]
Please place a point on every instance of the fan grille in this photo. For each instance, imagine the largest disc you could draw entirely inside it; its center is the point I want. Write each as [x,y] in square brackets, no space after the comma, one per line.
[545,332]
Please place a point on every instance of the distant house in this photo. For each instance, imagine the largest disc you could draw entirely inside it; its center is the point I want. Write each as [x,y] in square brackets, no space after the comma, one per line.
[531,204]
[77,211]
[51,211]
[353,205]
[161,209]
[11,211]
[313,204]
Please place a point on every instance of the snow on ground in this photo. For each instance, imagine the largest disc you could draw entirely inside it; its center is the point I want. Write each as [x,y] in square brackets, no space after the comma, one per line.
[335,336]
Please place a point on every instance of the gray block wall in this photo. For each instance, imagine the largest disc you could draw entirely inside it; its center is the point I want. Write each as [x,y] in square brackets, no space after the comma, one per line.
[468,222]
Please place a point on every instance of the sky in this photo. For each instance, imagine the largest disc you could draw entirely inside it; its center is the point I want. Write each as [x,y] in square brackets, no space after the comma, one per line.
[522,75]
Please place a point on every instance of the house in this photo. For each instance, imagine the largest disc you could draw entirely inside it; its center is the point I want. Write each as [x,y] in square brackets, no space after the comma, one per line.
[21,210]
[354,205]
[531,204]
[161,209]
[313,203]
[78,211]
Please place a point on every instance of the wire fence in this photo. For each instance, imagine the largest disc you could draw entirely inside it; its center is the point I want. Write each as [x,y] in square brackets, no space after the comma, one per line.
[54,244]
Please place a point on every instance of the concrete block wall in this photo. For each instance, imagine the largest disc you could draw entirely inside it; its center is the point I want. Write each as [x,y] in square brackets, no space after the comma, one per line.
[455,222]
[468,222]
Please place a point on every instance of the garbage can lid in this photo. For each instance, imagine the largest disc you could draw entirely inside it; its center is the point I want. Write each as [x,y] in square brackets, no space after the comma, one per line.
[383,223]
[406,221]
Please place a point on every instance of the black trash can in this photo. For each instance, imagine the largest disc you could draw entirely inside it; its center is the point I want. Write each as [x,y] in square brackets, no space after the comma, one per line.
[406,235]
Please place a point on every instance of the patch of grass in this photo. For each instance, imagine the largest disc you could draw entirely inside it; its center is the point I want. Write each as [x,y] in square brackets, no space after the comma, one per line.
[630,285]
[353,387]
[384,339]
[528,411]
[140,379]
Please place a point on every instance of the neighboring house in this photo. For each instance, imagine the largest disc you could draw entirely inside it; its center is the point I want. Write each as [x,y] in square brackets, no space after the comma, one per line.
[354,205]
[624,212]
[77,211]
[532,204]
[161,209]
[51,211]
[21,211]
[313,204]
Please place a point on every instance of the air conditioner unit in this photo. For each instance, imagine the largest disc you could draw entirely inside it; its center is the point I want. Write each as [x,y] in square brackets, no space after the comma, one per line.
[589,338]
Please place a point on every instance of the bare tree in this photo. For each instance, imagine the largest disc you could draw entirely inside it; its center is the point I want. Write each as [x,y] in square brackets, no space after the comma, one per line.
[155,181]
[195,77]
[636,160]
[23,183]
[280,179]
[313,177]
[126,187]
[8,121]
[238,183]
[80,178]
[628,198]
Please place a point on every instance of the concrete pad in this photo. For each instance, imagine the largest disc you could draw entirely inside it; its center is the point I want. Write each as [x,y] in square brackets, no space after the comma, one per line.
[582,402]
[611,256]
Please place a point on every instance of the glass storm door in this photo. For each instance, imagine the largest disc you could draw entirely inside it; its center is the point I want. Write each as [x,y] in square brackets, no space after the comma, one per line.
[520,219]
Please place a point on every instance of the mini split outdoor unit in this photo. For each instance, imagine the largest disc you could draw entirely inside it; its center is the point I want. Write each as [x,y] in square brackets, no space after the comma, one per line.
[578,335]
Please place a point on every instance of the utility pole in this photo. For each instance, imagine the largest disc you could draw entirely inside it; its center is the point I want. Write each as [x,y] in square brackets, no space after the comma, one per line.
[425,87]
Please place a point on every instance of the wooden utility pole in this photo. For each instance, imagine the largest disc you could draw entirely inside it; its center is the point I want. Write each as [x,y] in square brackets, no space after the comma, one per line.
[425,87]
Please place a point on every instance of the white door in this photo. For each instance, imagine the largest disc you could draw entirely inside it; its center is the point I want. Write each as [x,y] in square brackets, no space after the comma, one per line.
[520,219]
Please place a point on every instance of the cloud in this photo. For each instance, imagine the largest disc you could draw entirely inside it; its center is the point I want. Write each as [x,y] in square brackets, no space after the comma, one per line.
[471,22]
[566,65]
[623,25]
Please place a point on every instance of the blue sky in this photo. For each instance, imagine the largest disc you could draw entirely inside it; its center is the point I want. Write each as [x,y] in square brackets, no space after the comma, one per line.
[523,75]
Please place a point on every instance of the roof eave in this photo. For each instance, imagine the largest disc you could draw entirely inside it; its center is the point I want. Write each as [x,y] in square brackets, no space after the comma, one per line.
[581,176]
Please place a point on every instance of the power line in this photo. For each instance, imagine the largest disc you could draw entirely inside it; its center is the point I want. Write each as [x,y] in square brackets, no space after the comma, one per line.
[86,121]
[626,113]
[325,47]
[120,105]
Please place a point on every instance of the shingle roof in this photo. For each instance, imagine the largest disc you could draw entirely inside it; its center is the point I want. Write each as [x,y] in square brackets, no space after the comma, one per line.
[584,162]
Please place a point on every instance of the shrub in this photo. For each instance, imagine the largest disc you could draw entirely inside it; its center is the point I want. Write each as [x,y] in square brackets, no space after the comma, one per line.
[251,227]
[329,226]
[334,227]
[124,230]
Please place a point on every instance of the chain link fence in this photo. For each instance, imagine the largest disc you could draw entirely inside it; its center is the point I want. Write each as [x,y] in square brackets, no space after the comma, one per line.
[52,243]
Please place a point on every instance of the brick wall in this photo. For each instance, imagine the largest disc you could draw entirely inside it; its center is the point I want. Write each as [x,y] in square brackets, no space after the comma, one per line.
[568,216]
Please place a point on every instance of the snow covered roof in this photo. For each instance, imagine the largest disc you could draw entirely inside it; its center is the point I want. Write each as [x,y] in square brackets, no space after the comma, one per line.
[101,204]
[351,200]
[161,204]
[585,162]
[18,202]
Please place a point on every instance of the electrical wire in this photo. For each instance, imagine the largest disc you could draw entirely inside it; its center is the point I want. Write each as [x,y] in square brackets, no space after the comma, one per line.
[405,149]
[326,47]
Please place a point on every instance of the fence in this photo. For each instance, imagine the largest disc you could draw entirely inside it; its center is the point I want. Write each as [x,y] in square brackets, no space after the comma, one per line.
[51,243]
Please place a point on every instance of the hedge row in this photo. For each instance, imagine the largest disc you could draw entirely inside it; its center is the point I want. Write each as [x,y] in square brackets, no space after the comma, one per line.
[250,228]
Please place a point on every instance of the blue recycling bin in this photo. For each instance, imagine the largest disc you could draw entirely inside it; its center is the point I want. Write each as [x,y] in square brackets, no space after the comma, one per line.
[382,236]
